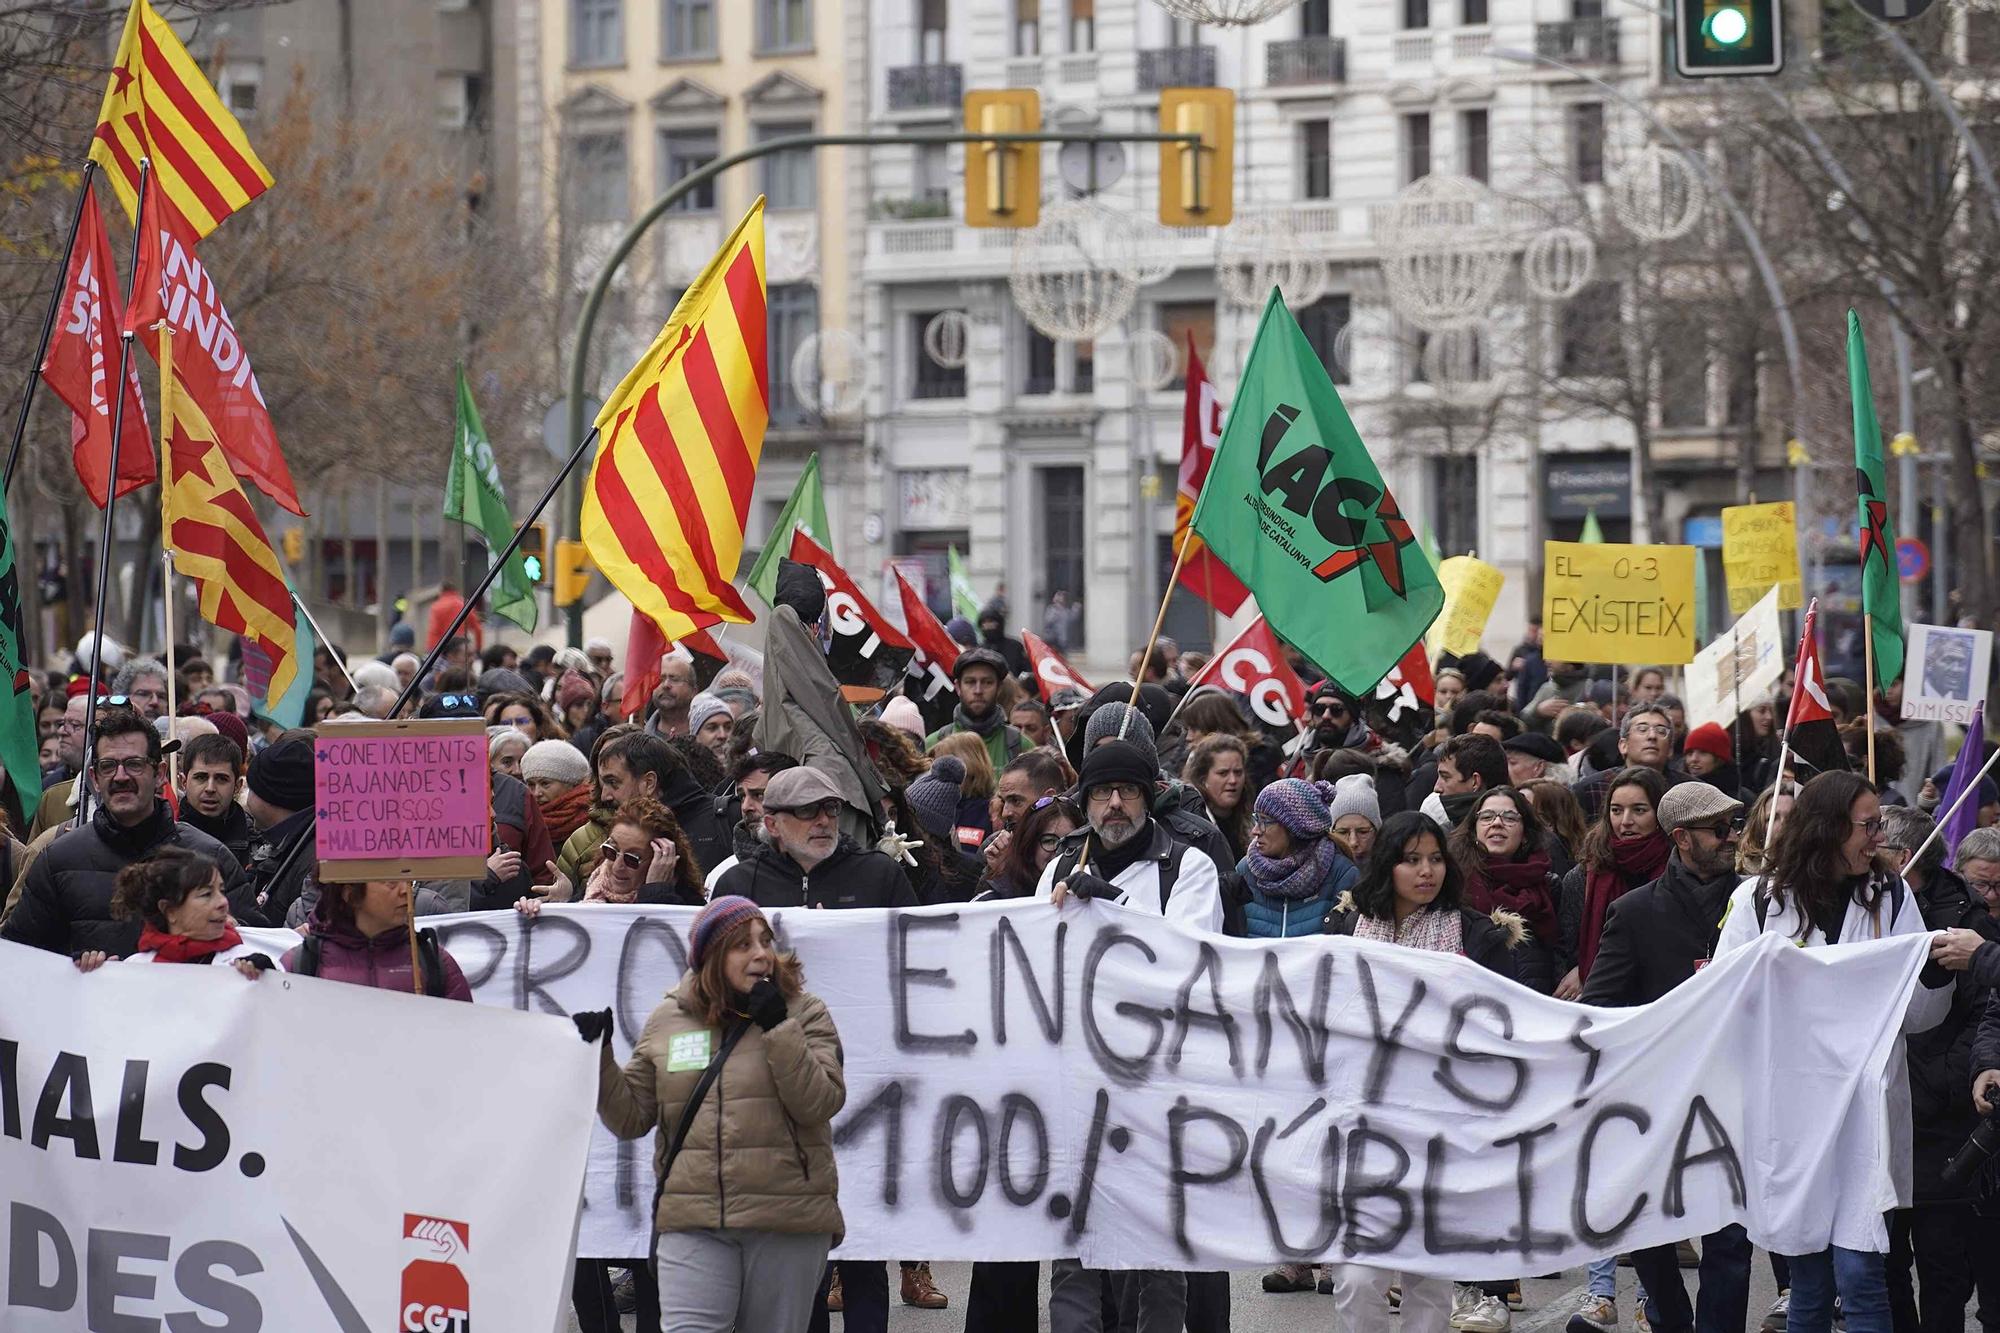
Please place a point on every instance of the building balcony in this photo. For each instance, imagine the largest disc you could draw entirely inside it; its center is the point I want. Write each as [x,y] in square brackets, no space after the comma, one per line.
[1308,60]
[926,87]
[1176,67]
[1579,41]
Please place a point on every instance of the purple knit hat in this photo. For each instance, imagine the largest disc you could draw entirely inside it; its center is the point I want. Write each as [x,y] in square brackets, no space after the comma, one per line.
[714,922]
[1299,805]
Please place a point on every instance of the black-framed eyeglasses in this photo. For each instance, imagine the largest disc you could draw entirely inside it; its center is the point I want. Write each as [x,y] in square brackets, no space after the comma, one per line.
[138,767]
[826,809]
[1050,842]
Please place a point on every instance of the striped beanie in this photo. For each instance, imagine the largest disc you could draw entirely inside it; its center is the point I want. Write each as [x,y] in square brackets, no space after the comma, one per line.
[1299,805]
[714,921]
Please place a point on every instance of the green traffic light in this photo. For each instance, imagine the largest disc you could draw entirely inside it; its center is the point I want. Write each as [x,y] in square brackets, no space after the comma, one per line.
[531,565]
[1727,27]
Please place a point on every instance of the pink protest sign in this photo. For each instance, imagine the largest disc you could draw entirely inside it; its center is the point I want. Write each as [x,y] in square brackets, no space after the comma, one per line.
[402,800]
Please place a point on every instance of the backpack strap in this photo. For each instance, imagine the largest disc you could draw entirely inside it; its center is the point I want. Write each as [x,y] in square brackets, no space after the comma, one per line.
[1762,901]
[430,956]
[1170,871]
[307,963]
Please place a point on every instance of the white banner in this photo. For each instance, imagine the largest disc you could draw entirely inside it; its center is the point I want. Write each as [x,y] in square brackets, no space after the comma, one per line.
[184,1149]
[1024,1083]
[1735,670]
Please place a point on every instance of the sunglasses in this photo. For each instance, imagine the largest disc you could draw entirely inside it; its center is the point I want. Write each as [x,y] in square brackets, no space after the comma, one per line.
[1330,710]
[631,860]
[826,809]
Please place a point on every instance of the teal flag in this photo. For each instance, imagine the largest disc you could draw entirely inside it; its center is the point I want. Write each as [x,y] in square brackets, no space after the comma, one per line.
[19,746]
[1297,509]
[473,496]
[1881,594]
[288,709]
[964,601]
[804,512]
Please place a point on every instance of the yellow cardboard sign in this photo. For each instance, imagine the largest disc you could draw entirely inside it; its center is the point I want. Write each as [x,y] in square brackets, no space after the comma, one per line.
[1760,548]
[1615,603]
[1471,587]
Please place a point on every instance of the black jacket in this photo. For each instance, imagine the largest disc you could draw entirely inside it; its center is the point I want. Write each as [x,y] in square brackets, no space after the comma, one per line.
[1657,936]
[233,830]
[694,807]
[276,896]
[1489,941]
[1941,1058]
[65,902]
[1985,1044]
[852,877]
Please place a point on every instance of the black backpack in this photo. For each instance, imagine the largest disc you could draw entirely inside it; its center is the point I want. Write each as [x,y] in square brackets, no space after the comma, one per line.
[430,957]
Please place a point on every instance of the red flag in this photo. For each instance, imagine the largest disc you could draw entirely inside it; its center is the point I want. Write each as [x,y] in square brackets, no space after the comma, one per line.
[1408,687]
[936,649]
[1809,701]
[83,356]
[644,646]
[1254,666]
[150,272]
[1201,427]
[864,649]
[1052,673]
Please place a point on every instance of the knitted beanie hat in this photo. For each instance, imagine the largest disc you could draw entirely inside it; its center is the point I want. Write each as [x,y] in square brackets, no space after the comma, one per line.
[701,708]
[1299,805]
[558,761]
[1355,795]
[714,921]
[1711,738]
[1104,724]
[902,712]
[574,688]
[282,774]
[934,797]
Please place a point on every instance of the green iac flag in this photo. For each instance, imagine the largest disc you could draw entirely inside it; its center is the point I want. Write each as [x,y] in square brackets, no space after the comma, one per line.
[1881,593]
[804,512]
[964,601]
[473,496]
[1295,506]
[20,750]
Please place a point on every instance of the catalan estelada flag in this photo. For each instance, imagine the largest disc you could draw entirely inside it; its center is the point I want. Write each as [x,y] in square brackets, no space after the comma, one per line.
[160,106]
[663,512]
[214,534]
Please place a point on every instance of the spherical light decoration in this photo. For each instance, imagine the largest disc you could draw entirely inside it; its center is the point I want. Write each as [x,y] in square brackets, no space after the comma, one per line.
[948,338]
[1145,248]
[830,373]
[1657,196]
[1559,262]
[1155,359]
[1264,248]
[1226,13]
[1066,278]
[1343,347]
[1445,252]
[1455,357]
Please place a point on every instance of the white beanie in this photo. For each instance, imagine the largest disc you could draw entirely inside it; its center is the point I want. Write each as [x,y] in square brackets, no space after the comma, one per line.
[1355,795]
[557,760]
[701,708]
[903,712]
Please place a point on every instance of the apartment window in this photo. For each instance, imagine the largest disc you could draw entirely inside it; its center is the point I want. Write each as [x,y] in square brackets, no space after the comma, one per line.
[788,175]
[1084,369]
[1589,338]
[683,152]
[931,380]
[1475,151]
[1316,159]
[1416,146]
[933,180]
[1082,25]
[1472,13]
[240,83]
[1586,9]
[1027,27]
[1179,320]
[687,28]
[1322,322]
[598,177]
[784,25]
[1183,32]
[1040,376]
[791,316]
[1455,503]
[597,32]
[1060,504]
[1586,143]
[1416,13]
[1316,18]
[931,25]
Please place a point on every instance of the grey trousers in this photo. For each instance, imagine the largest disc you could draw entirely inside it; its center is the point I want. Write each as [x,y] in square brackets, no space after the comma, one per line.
[734,1281]
[1076,1299]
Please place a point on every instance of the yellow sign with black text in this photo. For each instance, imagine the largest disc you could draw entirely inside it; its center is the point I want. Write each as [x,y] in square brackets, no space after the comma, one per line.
[1760,550]
[1628,605]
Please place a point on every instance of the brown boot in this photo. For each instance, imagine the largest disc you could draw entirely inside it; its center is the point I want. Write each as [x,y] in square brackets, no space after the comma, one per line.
[833,1299]
[920,1291]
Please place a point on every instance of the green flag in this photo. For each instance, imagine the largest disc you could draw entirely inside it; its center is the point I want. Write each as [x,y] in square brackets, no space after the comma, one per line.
[473,496]
[288,709]
[964,601]
[1592,535]
[804,512]
[1295,506]
[19,746]
[1881,594]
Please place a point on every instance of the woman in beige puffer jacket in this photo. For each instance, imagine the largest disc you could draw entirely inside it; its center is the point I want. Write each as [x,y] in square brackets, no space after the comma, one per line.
[749,1208]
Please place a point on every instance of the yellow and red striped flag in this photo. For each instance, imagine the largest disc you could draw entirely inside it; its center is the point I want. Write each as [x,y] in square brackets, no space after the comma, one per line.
[679,443]
[214,534]
[160,106]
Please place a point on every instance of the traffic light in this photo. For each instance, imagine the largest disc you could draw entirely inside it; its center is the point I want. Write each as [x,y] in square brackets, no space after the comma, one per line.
[295,545]
[534,553]
[572,572]
[1003,181]
[1195,180]
[1725,37]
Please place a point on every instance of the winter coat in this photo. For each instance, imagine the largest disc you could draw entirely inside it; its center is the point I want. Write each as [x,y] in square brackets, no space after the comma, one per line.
[578,856]
[1657,936]
[1194,899]
[1942,1116]
[759,1154]
[1985,1044]
[851,877]
[277,897]
[1004,744]
[695,809]
[381,961]
[1269,918]
[1490,941]
[430,899]
[232,830]
[65,904]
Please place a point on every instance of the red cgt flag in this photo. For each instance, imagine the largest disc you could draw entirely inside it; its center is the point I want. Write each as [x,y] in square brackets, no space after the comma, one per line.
[1809,701]
[1202,573]
[83,356]
[936,649]
[1052,672]
[1254,666]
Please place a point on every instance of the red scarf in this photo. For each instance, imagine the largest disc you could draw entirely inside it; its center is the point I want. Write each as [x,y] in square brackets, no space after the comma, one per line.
[566,813]
[181,949]
[1519,886]
[1634,861]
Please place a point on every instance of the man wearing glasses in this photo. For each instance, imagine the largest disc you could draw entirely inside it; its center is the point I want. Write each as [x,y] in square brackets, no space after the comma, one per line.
[1645,740]
[804,861]
[144,681]
[65,904]
[1335,724]
[58,805]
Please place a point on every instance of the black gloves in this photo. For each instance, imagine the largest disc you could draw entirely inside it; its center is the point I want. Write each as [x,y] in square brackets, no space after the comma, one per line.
[593,1025]
[1083,884]
[766,1004]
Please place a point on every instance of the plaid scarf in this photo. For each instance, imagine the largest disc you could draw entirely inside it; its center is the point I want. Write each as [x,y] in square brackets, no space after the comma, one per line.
[1432,929]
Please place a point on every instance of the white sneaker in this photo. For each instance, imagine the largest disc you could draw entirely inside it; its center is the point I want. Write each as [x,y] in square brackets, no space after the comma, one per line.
[1596,1314]
[1780,1313]
[1473,1311]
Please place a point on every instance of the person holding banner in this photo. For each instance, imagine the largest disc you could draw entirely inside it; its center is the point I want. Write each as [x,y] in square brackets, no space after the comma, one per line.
[1502,851]
[746,1203]
[178,897]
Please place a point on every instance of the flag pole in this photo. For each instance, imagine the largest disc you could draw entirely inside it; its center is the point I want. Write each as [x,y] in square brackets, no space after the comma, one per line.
[118,397]
[48,329]
[1868,685]
[1937,831]
[167,616]
[1152,640]
[320,635]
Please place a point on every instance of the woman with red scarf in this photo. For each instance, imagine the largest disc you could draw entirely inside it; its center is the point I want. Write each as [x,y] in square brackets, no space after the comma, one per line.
[184,913]
[1624,849]
[1503,852]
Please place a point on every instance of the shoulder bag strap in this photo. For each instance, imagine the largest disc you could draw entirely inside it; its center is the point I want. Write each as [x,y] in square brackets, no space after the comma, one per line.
[691,1106]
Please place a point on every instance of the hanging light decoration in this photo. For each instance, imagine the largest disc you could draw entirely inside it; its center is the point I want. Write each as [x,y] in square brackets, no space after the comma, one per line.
[947,338]
[1343,347]
[1559,262]
[1455,358]
[1145,248]
[1265,248]
[1155,359]
[1445,253]
[830,373]
[1226,13]
[1657,196]
[1066,276]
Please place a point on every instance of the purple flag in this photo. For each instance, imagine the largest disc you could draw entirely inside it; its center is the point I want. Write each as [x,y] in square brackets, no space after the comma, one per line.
[1970,756]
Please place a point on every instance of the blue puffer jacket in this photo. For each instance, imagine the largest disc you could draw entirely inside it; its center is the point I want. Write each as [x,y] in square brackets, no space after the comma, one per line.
[1269,918]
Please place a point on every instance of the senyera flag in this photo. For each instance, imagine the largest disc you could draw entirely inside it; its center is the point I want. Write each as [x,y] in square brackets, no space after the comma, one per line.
[1201,429]
[864,648]
[929,679]
[1052,671]
[1254,666]
[83,360]
[1810,732]
[681,437]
